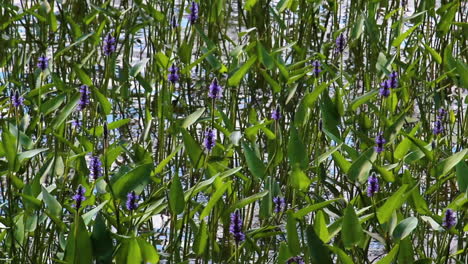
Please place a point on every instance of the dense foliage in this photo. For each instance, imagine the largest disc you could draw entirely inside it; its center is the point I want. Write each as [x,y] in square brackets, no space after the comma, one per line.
[223,131]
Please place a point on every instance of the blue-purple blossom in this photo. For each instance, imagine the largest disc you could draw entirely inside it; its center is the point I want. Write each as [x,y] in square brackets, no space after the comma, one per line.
[280,204]
[380,142]
[76,123]
[441,113]
[174,23]
[236,227]
[385,88]
[340,43]
[193,12]
[132,201]
[95,167]
[43,63]
[276,114]
[296,260]
[173,75]
[109,45]
[17,100]
[84,97]
[438,127]
[316,64]
[215,90]
[449,219]
[210,139]
[373,185]
[393,79]
[79,196]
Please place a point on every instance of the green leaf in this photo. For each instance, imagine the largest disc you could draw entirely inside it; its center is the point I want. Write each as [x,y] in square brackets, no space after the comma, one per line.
[360,168]
[9,147]
[320,226]
[84,78]
[176,196]
[351,230]
[193,117]
[446,165]
[79,249]
[165,161]
[30,153]
[67,110]
[80,40]
[394,202]
[247,200]
[462,176]
[299,179]
[297,152]
[87,217]
[397,41]
[344,258]
[319,253]
[264,57]
[314,207]
[435,55]
[214,199]
[148,252]
[129,252]
[105,104]
[53,205]
[201,240]
[249,4]
[236,78]
[405,227]
[138,67]
[136,178]
[293,237]
[358,27]
[390,256]
[101,241]
[255,165]
[363,99]
[194,150]
[447,18]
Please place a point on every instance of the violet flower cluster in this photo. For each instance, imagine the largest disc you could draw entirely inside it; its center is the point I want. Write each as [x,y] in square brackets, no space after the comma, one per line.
[296,260]
[373,185]
[173,75]
[210,139]
[79,196]
[316,64]
[279,203]
[193,17]
[84,97]
[390,83]
[109,45]
[215,90]
[16,99]
[449,219]
[340,43]
[236,227]
[132,201]
[438,124]
[380,142]
[276,114]
[43,63]
[95,167]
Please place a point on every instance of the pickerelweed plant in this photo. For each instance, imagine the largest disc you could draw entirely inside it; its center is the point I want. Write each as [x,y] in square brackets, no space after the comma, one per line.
[229,131]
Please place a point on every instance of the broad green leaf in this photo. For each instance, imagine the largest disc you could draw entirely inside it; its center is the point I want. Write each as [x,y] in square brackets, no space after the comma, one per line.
[106,106]
[363,99]
[351,230]
[319,253]
[297,152]
[446,165]
[344,258]
[293,237]
[360,168]
[405,227]
[81,74]
[299,179]
[247,200]
[388,259]
[101,240]
[391,204]
[78,41]
[314,207]
[236,78]
[462,176]
[255,165]
[88,216]
[193,117]
[176,196]
[135,178]
[148,252]
[79,248]
[397,41]
[249,4]
[30,153]
[264,57]
[138,67]
[320,226]
[214,199]
[66,112]
[201,239]
[194,150]
[435,55]
[53,205]
[166,161]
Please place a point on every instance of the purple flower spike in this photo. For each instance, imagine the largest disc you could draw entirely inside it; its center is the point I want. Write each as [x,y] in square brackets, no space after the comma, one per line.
[43,63]
[95,167]
[236,227]
[17,100]
[193,17]
[296,260]
[109,45]
[385,88]
[280,204]
[79,197]
[316,64]
[132,201]
[373,185]
[380,142]
[76,123]
[449,219]
[216,90]
[438,127]
[173,76]
[340,43]
[393,81]
[210,139]
[276,114]
[84,97]
[174,23]
[441,113]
